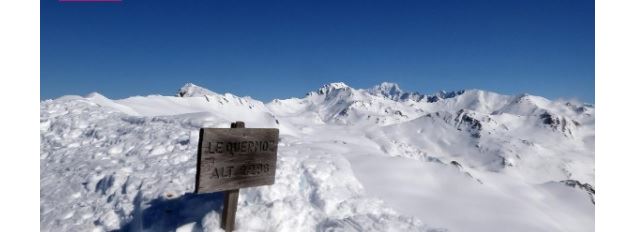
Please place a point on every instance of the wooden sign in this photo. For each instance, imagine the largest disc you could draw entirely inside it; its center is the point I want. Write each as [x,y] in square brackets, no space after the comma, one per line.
[233,158]
[230,159]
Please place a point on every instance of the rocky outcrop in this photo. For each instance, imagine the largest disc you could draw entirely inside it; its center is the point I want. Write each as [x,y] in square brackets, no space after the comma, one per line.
[586,187]
[559,123]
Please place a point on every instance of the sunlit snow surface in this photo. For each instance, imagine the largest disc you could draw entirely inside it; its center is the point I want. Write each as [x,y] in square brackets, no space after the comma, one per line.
[348,160]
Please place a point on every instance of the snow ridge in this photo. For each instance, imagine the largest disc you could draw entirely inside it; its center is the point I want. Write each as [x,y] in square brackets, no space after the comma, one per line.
[378,159]
[192,90]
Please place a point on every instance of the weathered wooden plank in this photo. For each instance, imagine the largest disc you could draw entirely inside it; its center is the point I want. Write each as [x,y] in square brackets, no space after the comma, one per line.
[236,158]
[230,203]
[230,159]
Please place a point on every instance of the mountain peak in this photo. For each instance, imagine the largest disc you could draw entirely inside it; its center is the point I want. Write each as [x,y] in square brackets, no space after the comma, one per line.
[387,85]
[192,90]
[336,85]
[387,89]
[325,89]
[95,95]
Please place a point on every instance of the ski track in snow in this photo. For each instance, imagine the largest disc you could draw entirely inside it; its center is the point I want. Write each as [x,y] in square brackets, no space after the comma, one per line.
[348,160]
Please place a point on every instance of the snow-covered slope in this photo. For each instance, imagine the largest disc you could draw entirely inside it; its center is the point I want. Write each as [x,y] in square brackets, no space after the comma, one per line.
[379,159]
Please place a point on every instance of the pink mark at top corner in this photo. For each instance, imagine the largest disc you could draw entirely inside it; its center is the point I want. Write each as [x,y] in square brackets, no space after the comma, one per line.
[90,0]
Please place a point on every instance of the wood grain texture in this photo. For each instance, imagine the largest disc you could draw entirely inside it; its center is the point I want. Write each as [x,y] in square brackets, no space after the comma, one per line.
[230,205]
[230,201]
[232,158]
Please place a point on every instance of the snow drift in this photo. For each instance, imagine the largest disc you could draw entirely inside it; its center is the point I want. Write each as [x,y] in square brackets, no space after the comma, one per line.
[379,159]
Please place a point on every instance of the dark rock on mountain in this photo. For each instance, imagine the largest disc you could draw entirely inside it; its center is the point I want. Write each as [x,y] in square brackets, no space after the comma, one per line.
[586,187]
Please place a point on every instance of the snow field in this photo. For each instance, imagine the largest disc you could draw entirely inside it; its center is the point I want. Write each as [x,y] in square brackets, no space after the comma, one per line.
[348,160]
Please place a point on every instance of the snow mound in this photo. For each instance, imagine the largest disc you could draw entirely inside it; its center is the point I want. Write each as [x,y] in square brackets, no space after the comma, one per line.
[378,159]
[105,170]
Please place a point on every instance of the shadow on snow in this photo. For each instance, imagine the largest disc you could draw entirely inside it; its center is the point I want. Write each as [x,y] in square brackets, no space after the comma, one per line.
[168,214]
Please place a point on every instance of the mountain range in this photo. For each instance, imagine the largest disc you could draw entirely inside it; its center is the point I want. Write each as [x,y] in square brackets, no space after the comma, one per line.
[378,159]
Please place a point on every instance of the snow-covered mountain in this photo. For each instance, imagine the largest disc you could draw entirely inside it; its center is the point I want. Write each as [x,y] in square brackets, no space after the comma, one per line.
[378,159]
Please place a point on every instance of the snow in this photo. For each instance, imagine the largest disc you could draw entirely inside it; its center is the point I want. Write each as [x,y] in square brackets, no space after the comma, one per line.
[349,159]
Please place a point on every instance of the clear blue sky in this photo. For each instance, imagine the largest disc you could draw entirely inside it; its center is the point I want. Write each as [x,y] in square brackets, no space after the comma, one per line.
[281,49]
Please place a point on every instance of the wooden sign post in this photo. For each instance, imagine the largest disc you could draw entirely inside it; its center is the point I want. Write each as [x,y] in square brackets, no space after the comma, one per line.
[230,159]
